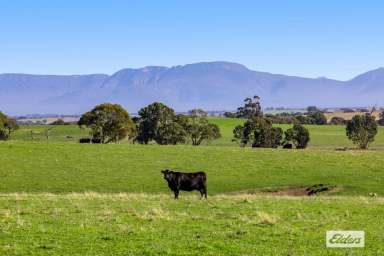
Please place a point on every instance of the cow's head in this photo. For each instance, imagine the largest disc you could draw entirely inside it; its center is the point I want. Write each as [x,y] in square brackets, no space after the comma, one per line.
[167,174]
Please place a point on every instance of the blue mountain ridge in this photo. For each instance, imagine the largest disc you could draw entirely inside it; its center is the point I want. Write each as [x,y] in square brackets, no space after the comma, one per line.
[207,85]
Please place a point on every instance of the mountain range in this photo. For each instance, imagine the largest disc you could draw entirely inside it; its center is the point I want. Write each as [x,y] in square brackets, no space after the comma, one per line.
[207,85]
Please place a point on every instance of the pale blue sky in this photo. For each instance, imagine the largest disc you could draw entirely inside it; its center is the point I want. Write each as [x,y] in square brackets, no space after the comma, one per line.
[337,39]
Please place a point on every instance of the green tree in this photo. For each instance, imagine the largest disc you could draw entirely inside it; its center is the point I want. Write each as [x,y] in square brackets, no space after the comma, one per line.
[170,134]
[238,135]
[275,137]
[108,122]
[157,122]
[7,126]
[3,130]
[381,118]
[302,119]
[258,132]
[318,118]
[312,109]
[198,127]
[362,129]
[338,120]
[59,122]
[229,114]
[298,135]
[251,108]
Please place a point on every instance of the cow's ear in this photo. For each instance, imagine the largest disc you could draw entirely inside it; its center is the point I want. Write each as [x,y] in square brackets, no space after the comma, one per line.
[162,171]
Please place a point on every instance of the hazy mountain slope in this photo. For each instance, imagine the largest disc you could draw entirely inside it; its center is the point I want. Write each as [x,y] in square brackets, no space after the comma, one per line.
[209,85]
[22,93]
[214,85]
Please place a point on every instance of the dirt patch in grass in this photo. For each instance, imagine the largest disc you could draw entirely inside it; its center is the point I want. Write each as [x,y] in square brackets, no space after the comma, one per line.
[293,191]
[304,191]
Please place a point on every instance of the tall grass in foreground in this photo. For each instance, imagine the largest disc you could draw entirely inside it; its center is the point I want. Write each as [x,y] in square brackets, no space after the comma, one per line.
[142,224]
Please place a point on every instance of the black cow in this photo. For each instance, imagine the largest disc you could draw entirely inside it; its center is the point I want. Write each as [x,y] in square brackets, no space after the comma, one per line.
[96,141]
[186,181]
[84,140]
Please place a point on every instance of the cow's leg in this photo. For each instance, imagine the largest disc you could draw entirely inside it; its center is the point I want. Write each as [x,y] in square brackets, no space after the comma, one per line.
[176,194]
[205,192]
[201,193]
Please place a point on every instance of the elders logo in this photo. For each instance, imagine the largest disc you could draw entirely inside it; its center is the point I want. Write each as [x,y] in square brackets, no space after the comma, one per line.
[344,239]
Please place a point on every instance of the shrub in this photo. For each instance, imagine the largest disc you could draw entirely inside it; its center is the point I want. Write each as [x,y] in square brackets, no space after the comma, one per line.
[59,122]
[229,115]
[297,135]
[362,129]
[318,118]
[337,121]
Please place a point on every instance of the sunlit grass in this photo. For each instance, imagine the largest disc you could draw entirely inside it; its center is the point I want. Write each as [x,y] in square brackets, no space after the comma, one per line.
[142,224]
[69,167]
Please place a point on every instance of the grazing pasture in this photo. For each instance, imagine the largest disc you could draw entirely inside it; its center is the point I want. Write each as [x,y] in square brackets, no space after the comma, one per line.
[60,197]
[143,224]
[322,136]
[57,133]
[69,167]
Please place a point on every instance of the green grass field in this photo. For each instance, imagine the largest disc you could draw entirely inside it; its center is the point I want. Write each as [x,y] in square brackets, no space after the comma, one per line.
[58,133]
[69,167]
[59,197]
[322,136]
[141,224]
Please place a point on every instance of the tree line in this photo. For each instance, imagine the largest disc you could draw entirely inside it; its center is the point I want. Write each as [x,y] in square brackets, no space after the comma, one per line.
[313,115]
[155,123]
[160,124]
[258,129]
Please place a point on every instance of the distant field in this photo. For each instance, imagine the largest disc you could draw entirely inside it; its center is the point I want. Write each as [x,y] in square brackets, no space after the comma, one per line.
[57,133]
[322,136]
[141,224]
[49,120]
[348,116]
